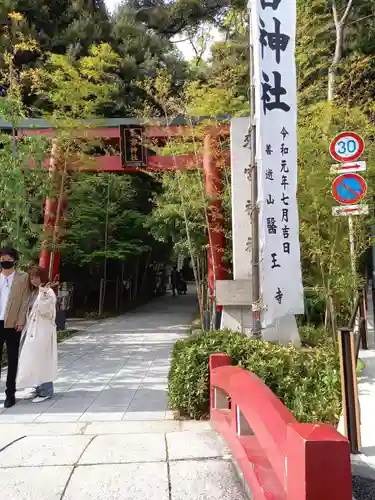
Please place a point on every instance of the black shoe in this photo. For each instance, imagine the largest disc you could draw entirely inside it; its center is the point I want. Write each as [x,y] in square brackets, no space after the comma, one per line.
[9,402]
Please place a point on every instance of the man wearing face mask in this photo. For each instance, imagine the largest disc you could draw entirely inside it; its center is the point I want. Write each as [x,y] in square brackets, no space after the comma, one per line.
[14,299]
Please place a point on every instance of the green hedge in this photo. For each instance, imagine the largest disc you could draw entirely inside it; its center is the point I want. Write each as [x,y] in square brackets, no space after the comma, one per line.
[306,380]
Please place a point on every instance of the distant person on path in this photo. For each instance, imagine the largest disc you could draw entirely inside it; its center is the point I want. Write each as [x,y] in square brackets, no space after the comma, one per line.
[38,356]
[14,298]
[182,285]
[175,278]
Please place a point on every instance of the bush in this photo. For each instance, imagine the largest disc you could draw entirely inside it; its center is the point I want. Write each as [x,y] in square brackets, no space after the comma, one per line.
[306,380]
[313,336]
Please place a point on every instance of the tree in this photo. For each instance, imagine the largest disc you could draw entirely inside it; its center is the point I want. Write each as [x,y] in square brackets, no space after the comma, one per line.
[143,53]
[62,26]
[106,240]
[340,21]
[184,212]
[313,50]
[212,101]
[101,221]
[172,17]
[179,217]
[23,188]
[78,89]
[88,24]
[23,191]
[335,58]
[57,27]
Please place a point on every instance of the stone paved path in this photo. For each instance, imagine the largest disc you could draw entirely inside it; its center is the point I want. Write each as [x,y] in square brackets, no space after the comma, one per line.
[108,434]
[116,369]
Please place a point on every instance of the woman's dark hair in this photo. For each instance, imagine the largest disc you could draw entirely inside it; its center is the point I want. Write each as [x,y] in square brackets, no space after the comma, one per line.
[39,272]
[11,252]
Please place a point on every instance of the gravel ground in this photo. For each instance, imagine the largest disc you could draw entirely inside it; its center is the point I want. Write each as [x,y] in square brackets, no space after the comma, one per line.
[363,488]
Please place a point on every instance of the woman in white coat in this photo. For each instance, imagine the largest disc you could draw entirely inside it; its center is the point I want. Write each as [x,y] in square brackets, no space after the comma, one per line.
[37,366]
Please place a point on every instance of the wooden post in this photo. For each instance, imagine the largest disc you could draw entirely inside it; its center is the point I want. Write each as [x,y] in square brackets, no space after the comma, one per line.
[349,389]
[363,320]
[101,297]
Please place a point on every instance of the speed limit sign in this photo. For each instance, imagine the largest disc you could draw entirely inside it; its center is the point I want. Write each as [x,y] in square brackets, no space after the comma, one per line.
[347,146]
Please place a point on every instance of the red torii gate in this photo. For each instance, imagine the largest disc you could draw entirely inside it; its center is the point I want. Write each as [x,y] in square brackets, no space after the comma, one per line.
[110,134]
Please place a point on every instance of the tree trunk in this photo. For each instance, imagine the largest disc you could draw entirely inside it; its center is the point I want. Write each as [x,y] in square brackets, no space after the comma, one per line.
[332,72]
[136,278]
[339,46]
[145,271]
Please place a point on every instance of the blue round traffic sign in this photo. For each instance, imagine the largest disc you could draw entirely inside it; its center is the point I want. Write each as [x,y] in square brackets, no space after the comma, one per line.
[349,189]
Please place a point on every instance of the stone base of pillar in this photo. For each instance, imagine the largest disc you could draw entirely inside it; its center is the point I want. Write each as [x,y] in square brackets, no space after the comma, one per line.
[235,297]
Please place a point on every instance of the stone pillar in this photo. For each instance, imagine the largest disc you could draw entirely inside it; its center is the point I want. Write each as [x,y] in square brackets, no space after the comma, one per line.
[241,199]
[236,295]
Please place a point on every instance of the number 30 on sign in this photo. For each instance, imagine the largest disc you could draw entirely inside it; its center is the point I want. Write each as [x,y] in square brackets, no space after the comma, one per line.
[347,146]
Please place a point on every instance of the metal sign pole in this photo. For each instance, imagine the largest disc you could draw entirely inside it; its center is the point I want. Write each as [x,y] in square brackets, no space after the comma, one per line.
[353,258]
[257,328]
[349,188]
[373,267]
[352,245]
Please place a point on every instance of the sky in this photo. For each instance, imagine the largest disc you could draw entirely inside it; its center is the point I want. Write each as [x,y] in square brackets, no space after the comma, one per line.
[112,3]
[185,47]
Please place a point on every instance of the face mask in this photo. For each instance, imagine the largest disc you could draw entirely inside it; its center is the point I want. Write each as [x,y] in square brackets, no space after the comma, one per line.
[6,264]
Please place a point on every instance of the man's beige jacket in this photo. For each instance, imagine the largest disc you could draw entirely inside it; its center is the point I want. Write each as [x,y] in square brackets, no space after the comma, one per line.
[16,311]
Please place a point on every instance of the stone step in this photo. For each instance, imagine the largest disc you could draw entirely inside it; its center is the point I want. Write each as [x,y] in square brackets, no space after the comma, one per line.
[167,460]
[11,431]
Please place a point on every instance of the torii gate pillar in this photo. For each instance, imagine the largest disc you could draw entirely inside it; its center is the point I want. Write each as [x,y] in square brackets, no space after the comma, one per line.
[53,209]
[213,186]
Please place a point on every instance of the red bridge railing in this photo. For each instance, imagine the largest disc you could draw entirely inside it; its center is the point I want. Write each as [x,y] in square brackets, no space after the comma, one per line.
[280,458]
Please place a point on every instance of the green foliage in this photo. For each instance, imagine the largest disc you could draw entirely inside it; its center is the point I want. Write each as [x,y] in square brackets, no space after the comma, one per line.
[314,48]
[312,336]
[168,219]
[316,38]
[142,33]
[61,25]
[325,239]
[69,29]
[228,66]
[143,52]
[306,381]
[105,220]
[23,191]
[172,17]
[210,100]
[80,88]
[221,85]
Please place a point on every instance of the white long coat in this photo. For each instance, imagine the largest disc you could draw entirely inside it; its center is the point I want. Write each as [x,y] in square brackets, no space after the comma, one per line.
[38,357]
